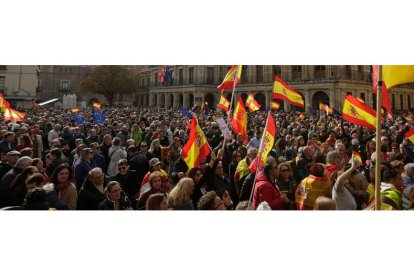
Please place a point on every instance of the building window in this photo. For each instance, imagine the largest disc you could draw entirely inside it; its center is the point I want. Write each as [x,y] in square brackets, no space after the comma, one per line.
[402,101]
[148,82]
[191,75]
[3,67]
[65,85]
[349,93]
[277,70]
[348,71]
[244,76]
[320,72]
[210,75]
[362,96]
[180,76]
[297,72]
[393,101]
[2,83]
[259,73]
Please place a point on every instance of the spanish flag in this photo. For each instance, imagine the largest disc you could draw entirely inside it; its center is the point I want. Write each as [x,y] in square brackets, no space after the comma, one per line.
[394,75]
[266,144]
[13,115]
[355,155]
[386,103]
[361,100]
[231,79]
[96,105]
[325,108]
[410,135]
[310,189]
[283,92]
[224,103]
[3,103]
[251,103]
[239,120]
[197,147]
[358,113]
[274,105]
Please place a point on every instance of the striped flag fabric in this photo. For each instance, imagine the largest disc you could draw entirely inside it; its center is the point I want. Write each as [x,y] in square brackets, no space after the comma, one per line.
[357,156]
[3,103]
[283,92]
[197,148]
[224,103]
[11,114]
[325,108]
[239,120]
[251,103]
[274,105]
[410,135]
[358,113]
[232,78]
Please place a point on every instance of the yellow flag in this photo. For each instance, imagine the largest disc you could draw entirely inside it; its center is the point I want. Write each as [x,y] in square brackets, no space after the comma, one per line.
[394,75]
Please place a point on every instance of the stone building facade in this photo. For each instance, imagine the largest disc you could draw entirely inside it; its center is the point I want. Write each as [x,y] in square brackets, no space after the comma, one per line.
[18,84]
[190,84]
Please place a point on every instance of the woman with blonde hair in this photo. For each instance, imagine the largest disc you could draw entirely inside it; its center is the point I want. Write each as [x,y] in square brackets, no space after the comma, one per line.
[180,197]
[155,182]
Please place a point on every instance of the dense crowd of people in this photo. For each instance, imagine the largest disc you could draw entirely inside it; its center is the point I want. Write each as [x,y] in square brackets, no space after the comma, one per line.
[133,162]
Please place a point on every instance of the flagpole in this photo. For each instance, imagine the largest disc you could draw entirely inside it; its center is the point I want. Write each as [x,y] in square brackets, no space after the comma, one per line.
[259,159]
[378,142]
[232,95]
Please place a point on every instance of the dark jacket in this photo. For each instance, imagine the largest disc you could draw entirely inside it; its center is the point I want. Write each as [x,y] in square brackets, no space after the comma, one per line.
[41,205]
[144,197]
[140,164]
[4,147]
[247,186]
[128,183]
[108,204]
[5,183]
[52,166]
[81,171]
[53,198]
[89,197]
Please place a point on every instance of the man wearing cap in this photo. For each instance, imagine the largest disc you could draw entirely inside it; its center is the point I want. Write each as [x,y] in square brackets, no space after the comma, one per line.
[7,143]
[10,160]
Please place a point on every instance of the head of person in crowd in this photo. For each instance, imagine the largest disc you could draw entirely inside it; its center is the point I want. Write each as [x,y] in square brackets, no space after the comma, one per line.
[155,145]
[323,203]
[9,137]
[325,148]
[251,153]
[34,181]
[107,139]
[27,152]
[243,151]
[398,166]
[123,167]
[36,200]
[155,181]
[370,146]
[156,201]
[195,174]
[270,169]
[12,157]
[116,142]
[236,157]
[96,177]
[26,141]
[132,151]
[143,147]
[86,155]
[284,172]
[242,206]
[96,149]
[210,201]
[299,142]
[56,144]
[333,158]
[391,176]
[155,165]
[263,206]
[24,162]
[384,141]
[130,142]
[316,169]
[182,192]
[57,127]
[38,163]
[113,191]
[61,176]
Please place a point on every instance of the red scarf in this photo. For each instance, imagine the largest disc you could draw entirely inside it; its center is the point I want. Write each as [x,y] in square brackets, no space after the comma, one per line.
[61,186]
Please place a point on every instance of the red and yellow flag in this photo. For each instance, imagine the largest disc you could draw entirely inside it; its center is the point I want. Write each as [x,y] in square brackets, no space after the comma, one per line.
[13,115]
[358,113]
[386,103]
[274,105]
[197,147]
[326,108]
[239,120]
[394,75]
[3,103]
[96,105]
[232,78]
[266,144]
[251,103]
[355,155]
[224,103]
[283,92]
[410,135]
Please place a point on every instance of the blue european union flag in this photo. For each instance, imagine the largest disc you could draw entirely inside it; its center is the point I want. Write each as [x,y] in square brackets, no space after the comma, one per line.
[79,119]
[167,75]
[98,116]
[186,113]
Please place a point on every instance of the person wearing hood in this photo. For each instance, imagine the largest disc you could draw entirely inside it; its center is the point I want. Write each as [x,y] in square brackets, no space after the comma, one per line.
[115,198]
[266,189]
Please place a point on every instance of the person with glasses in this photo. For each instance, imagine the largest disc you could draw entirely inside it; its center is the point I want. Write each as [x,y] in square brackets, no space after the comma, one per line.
[211,201]
[83,166]
[266,189]
[98,158]
[128,180]
[286,182]
[115,198]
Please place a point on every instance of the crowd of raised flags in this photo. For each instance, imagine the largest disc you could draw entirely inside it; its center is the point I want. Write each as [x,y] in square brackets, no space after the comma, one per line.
[197,147]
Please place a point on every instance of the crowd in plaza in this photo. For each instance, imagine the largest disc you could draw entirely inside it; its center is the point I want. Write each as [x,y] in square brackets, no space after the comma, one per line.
[133,161]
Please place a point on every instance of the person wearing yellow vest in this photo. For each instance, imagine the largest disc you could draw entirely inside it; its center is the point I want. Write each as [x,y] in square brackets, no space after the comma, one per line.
[136,134]
[315,185]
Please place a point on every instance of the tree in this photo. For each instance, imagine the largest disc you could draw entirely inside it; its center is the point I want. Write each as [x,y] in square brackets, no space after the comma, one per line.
[109,80]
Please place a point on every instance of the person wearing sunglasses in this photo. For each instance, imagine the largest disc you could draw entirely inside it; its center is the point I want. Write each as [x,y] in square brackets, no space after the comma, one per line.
[128,180]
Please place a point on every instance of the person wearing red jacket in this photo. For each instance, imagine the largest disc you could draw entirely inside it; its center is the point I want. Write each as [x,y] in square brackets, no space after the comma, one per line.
[265,188]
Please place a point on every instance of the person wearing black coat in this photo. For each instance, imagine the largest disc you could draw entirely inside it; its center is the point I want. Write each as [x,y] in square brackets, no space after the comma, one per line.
[128,181]
[92,191]
[115,198]
[138,163]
